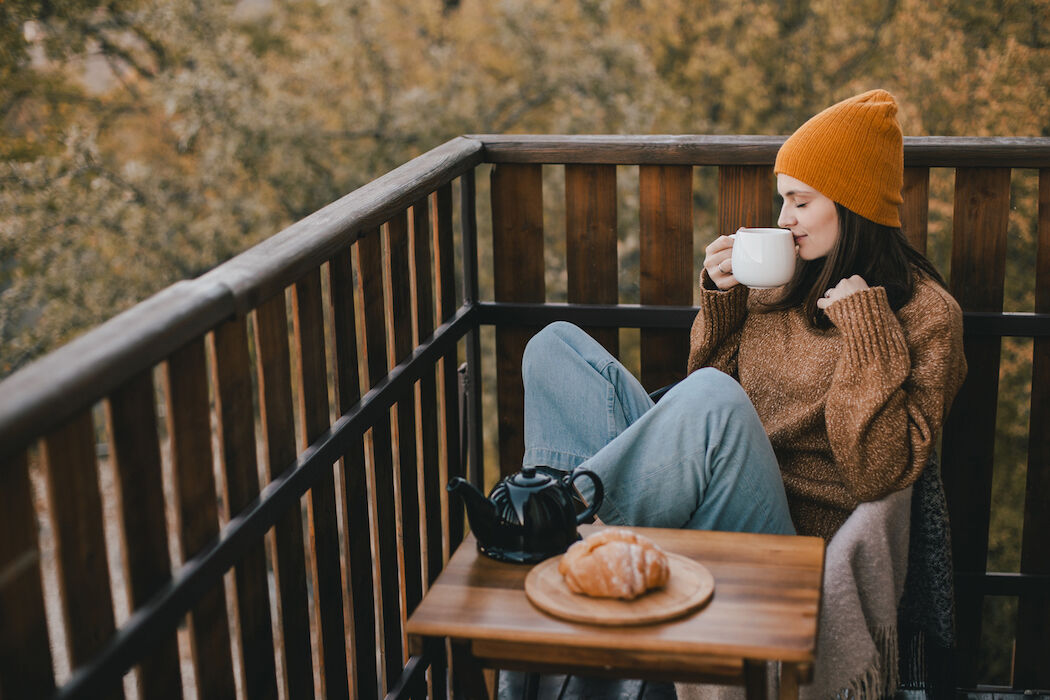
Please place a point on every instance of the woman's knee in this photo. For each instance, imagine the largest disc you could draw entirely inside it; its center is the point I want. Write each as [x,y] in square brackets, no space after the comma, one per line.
[556,337]
[550,343]
[564,332]
[708,388]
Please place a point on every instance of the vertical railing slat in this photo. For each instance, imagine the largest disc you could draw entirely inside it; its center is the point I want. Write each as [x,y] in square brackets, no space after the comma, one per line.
[666,262]
[434,474]
[363,674]
[308,316]
[981,217]
[400,349]
[68,460]
[444,263]
[236,425]
[472,433]
[1033,611]
[189,425]
[745,197]
[25,654]
[590,247]
[131,422]
[916,209]
[429,408]
[370,275]
[275,407]
[518,275]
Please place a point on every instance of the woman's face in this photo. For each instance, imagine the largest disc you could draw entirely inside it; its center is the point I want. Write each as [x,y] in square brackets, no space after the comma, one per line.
[811,217]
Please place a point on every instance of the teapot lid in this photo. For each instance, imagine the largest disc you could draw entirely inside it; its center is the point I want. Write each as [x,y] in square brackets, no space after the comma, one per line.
[530,477]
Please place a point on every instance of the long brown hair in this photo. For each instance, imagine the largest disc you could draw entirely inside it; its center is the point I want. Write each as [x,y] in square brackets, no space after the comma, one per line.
[880,254]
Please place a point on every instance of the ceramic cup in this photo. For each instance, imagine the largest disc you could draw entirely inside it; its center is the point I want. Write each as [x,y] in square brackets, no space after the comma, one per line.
[763,257]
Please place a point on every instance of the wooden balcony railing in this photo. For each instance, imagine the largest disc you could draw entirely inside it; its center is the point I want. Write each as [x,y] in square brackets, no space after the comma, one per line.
[238,484]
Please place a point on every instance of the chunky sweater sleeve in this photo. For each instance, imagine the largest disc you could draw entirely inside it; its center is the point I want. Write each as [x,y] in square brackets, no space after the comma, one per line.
[892,386]
[714,340]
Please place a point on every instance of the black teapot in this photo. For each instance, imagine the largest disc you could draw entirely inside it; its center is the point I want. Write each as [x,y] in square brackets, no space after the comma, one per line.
[528,516]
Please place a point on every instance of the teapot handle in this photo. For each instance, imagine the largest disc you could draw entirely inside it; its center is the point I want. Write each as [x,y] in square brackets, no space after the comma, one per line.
[599,494]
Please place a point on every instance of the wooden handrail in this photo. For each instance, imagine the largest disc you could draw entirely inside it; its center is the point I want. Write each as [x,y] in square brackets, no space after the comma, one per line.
[919,151]
[986,323]
[42,395]
[267,268]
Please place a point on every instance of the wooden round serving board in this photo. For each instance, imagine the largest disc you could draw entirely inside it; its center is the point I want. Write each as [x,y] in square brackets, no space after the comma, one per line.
[689,586]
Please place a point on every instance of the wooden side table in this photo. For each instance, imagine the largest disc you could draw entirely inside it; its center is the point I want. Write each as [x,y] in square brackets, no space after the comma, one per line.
[764,610]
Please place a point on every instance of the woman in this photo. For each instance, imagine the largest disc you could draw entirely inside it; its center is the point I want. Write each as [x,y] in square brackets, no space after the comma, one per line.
[801,402]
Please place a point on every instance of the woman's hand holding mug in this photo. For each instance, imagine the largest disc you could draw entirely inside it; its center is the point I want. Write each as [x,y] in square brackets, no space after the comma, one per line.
[718,262]
[761,258]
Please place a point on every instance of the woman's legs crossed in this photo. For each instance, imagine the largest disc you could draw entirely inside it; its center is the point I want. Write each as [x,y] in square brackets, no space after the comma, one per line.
[699,459]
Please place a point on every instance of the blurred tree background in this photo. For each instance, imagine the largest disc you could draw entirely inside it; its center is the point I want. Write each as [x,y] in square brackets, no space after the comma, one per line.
[144,142]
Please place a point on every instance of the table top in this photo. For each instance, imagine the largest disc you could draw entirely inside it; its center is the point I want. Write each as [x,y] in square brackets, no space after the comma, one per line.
[765,606]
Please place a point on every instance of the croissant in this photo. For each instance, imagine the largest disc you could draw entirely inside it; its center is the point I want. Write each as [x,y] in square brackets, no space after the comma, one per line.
[614,563]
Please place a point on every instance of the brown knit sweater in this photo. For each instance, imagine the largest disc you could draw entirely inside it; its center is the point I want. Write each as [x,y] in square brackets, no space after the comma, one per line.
[852,412]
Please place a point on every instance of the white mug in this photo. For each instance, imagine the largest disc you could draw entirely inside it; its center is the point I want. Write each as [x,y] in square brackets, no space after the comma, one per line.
[763,257]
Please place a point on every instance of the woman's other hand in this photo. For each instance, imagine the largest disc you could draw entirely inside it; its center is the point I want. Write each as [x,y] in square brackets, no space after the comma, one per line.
[843,289]
[719,262]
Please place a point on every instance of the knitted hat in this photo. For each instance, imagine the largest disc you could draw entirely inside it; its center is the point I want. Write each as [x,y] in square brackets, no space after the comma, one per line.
[852,153]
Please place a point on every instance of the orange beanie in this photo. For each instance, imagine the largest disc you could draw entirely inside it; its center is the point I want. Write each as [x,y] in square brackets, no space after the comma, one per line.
[852,153]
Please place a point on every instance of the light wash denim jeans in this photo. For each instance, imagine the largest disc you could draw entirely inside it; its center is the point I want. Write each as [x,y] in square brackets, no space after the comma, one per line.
[698,459]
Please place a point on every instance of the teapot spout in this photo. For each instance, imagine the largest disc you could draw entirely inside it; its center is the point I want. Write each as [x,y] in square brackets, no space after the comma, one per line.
[481,512]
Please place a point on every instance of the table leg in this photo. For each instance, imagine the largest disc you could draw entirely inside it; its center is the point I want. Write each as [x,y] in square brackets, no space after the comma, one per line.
[468,678]
[788,681]
[755,679]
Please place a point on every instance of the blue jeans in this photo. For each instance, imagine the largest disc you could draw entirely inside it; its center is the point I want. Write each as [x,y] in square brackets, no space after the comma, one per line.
[699,459]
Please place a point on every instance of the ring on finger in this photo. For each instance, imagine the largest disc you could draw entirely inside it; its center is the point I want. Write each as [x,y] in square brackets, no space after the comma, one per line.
[720,268]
